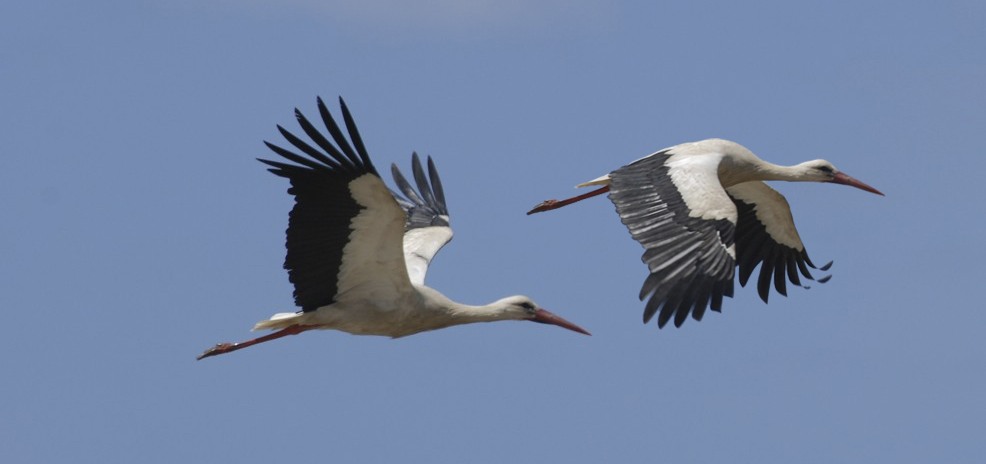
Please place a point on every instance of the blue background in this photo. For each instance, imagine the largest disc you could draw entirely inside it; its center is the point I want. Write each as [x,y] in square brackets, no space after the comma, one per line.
[136,230]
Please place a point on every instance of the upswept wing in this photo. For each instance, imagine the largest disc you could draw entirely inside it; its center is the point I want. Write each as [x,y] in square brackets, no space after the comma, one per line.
[427,228]
[344,236]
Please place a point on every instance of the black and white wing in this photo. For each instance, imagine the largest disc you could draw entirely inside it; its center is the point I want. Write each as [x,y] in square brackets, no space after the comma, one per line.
[765,233]
[344,236]
[427,228]
[675,207]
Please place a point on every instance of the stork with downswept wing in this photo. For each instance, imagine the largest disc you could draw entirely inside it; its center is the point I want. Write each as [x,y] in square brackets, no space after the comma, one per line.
[700,210]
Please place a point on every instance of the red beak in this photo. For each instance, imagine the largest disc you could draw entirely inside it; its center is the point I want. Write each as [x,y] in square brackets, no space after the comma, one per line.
[545,317]
[843,179]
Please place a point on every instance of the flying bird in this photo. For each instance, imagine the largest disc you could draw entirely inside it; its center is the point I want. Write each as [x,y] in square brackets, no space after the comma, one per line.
[701,210]
[358,252]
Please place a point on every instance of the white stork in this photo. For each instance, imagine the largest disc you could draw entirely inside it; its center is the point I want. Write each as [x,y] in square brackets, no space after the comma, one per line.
[357,253]
[700,210]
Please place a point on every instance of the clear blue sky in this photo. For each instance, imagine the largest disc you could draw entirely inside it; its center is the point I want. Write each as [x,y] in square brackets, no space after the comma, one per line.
[136,230]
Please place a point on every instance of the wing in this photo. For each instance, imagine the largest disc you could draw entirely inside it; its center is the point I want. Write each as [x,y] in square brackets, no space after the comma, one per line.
[765,233]
[675,207]
[427,228]
[344,232]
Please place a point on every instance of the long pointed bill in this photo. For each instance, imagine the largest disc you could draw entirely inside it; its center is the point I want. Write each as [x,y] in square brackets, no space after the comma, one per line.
[545,317]
[843,179]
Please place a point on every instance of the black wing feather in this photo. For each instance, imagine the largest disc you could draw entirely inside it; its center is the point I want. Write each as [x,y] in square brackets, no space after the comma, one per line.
[436,184]
[354,134]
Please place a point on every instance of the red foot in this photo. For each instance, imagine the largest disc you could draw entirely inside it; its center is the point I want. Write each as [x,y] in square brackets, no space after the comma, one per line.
[543,206]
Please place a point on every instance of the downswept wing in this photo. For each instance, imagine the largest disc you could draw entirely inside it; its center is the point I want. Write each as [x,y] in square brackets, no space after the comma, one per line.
[345,231]
[675,207]
[427,228]
[765,233]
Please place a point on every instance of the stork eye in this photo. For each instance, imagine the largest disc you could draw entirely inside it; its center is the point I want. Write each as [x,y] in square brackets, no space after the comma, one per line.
[527,305]
[825,169]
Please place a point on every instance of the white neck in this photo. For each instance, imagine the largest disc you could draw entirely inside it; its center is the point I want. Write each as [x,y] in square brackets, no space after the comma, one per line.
[732,173]
[457,313]
[794,173]
[485,313]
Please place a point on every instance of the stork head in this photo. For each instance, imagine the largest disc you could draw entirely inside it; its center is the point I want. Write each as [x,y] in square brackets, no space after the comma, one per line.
[823,171]
[524,308]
